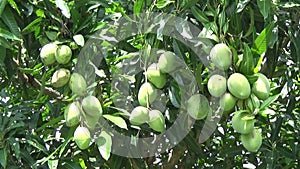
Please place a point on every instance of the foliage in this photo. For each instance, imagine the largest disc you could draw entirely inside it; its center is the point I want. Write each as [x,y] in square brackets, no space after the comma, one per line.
[33,133]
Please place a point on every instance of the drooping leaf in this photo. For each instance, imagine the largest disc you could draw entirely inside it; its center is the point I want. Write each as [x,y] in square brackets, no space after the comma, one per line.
[32,26]
[2,6]
[104,143]
[199,15]
[138,6]
[247,64]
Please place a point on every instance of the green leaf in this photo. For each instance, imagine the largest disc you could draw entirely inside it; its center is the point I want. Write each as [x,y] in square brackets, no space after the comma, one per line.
[7,35]
[3,44]
[104,143]
[63,6]
[51,35]
[247,64]
[14,5]
[268,101]
[287,4]
[32,26]
[71,165]
[138,6]
[2,6]
[199,15]
[9,19]
[52,164]
[119,121]
[3,157]
[262,41]
[163,3]
[264,7]
[79,39]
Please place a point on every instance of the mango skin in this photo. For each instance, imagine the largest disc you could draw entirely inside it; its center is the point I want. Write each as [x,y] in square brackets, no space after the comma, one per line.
[139,115]
[221,56]
[252,141]
[147,92]
[261,88]
[77,84]
[47,54]
[216,85]
[91,106]
[239,86]
[82,137]
[72,114]
[63,54]
[198,106]
[60,77]
[156,120]
[155,76]
[240,125]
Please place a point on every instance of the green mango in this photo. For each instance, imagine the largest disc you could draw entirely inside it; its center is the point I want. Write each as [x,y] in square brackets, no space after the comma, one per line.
[252,141]
[82,137]
[155,76]
[198,106]
[72,114]
[156,120]
[216,85]
[60,77]
[147,93]
[239,86]
[47,53]
[227,102]
[91,105]
[242,122]
[77,84]
[63,54]
[139,115]
[167,62]
[261,88]
[221,56]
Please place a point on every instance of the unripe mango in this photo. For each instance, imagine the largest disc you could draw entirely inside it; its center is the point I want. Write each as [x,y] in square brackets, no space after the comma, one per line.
[261,88]
[242,122]
[167,62]
[91,105]
[72,114]
[216,85]
[221,56]
[239,86]
[156,120]
[78,84]
[227,102]
[252,141]
[47,53]
[155,76]
[63,54]
[139,115]
[60,77]
[147,93]
[198,106]
[82,137]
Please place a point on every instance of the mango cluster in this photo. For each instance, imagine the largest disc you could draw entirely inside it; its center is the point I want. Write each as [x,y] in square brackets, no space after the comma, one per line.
[62,54]
[83,113]
[236,94]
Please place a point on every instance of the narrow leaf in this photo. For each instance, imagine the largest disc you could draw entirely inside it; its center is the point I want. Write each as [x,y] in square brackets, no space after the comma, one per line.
[104,143]
[9,19]
[163,3]
[199,15]
[2,6]
[268,101]
[119,121]
[138,6]
[32,26]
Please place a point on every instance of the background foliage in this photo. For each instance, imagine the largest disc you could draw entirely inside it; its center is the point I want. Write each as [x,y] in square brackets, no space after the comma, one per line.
[32,130]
